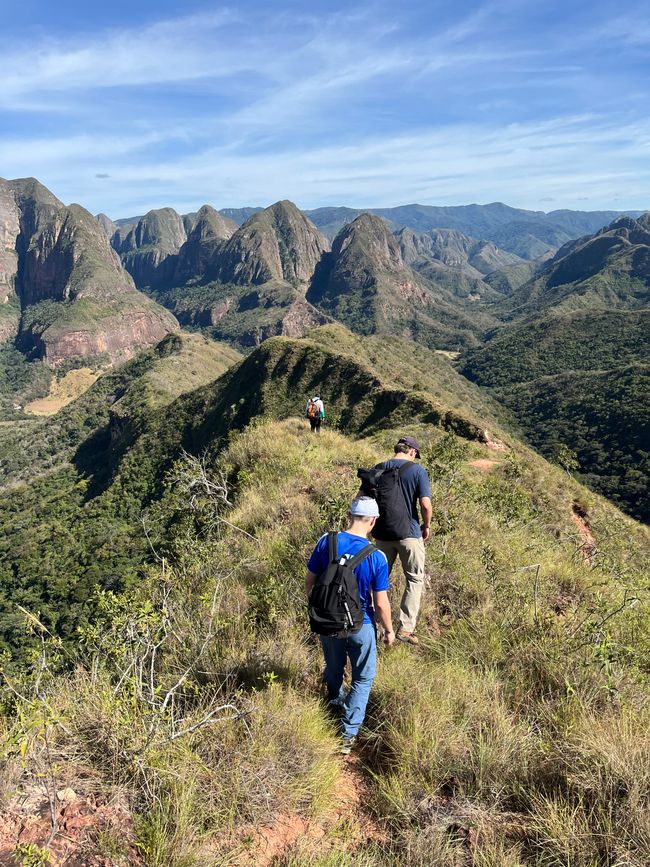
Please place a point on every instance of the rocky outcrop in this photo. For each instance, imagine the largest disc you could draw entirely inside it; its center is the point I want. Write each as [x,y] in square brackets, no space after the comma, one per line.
[118,339]
[61,255]
[365,258]
[453,249]
[9,230]
[279,243]
[198,254]
[107,225]
[149,250]
[366,284]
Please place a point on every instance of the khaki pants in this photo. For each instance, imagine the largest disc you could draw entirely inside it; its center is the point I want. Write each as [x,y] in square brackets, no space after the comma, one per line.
[411,555]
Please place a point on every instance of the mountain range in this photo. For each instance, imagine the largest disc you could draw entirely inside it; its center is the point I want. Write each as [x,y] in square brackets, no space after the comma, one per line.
[73,299]
[161,698]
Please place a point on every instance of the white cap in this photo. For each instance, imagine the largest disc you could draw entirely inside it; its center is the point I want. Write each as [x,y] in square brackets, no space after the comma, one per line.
[364,507]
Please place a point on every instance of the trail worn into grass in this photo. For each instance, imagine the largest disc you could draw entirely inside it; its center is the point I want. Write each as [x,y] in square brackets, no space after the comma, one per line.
[296,835]
[484,464]
[588,546]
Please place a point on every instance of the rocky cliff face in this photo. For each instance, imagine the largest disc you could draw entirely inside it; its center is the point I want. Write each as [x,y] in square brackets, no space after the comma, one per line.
[279,243]
[9,230]
[107,224]
[453,249]
[65,282]
[148,251]
[365,257]
[205,239]
[366,284]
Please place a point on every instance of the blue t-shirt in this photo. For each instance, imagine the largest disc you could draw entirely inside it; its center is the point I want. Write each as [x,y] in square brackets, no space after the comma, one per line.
[415,484]
[372,573]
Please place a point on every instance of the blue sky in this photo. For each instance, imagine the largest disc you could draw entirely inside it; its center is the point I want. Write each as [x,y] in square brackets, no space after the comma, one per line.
[123,107]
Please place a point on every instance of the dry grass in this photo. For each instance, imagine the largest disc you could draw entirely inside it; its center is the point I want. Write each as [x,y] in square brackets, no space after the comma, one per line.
[517,738]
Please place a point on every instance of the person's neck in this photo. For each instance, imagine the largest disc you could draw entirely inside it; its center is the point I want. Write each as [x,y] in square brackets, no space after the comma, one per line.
[400,456]
[356,528]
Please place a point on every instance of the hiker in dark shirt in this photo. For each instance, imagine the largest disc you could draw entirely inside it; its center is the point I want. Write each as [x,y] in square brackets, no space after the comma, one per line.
[417,492]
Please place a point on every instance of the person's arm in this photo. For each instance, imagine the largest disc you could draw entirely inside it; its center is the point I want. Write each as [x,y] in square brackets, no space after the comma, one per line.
[426,510]
[384,615]
[310,579]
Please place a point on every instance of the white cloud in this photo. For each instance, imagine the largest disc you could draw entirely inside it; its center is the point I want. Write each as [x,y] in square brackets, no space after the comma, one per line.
[562,159]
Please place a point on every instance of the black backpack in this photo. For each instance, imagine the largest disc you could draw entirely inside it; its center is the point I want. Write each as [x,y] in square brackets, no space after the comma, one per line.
[334,603]
[384,484]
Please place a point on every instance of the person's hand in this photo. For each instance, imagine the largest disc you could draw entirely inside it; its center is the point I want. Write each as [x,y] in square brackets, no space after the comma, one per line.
[389,638]
[426,531]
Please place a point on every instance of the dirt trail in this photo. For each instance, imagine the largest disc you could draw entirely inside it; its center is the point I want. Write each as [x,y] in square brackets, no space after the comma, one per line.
[588,546]
[290,832]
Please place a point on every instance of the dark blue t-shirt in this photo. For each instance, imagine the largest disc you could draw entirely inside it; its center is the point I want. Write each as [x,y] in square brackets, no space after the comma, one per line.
[415,484]
[372,573]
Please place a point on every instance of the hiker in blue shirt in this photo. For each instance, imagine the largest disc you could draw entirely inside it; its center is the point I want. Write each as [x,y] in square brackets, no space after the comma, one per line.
[359,647]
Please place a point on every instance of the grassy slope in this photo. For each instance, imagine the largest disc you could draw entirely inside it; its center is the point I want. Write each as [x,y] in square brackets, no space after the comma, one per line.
[105,458]
[580,379]
[522,724]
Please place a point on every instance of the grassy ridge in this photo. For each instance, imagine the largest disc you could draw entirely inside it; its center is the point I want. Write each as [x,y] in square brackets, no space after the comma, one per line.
[518,737]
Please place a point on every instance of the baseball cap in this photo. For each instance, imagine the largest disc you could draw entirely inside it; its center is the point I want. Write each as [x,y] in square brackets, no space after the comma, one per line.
[412,443]
[364,507]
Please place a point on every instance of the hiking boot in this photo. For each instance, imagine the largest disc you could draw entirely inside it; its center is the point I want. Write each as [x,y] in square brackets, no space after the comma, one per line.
[347,745]
[408,637]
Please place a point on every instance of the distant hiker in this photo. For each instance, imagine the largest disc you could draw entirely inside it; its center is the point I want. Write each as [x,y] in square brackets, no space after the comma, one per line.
[400,486]
[347,587]
[315,412]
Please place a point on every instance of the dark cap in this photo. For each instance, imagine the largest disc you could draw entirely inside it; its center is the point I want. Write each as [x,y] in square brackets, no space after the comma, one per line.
[412,443]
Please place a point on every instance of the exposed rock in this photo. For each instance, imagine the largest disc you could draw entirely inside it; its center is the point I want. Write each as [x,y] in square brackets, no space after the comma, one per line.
[149,250]
[53,253]
[198,253]
[453,249]
[366,284]
[278,243]
[120,337]
[9,230]
[107,224]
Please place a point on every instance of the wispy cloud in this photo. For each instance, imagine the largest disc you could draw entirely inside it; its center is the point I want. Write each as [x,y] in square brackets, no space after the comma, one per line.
[358,105]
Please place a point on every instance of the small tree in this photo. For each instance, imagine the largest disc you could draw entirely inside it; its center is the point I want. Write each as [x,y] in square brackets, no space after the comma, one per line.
[566,458]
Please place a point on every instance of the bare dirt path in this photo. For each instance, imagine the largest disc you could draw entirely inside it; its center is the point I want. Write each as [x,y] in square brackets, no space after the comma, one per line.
[297,835]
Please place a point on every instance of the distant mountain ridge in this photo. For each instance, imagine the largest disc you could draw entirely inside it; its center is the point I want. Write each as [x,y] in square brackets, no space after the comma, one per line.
[527,234]
[570,360]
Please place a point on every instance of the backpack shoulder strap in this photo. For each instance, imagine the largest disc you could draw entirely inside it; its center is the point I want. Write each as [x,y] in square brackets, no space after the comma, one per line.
[361,555]
[332,546]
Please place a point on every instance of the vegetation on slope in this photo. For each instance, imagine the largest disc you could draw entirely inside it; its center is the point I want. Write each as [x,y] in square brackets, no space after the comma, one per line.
[603,418]
[578,380]
[584,340]
[516,737]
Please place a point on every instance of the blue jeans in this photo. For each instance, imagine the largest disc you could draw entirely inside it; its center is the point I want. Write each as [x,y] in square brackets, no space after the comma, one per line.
[361,648]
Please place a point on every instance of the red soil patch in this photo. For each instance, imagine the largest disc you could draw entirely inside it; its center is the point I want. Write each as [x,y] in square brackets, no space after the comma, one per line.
[79,818]
[588,547]
[270,842]
[483,464]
